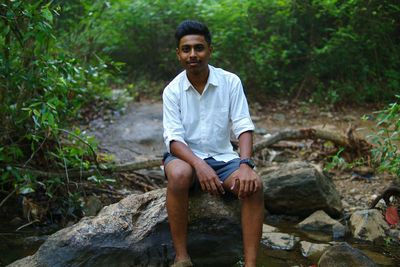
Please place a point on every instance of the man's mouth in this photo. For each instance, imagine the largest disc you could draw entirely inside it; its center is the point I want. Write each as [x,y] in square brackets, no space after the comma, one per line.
[193,63]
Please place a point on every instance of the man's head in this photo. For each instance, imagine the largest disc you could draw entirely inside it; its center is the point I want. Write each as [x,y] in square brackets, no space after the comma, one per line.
[190,27]
[193,47]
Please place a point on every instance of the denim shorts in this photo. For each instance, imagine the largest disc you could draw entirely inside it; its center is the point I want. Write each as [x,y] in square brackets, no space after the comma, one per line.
[222,168]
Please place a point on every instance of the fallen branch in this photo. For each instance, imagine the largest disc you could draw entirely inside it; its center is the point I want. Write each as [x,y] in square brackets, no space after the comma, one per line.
[75,173]
[349,142]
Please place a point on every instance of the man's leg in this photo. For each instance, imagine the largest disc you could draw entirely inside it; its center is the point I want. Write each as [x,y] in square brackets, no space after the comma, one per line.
[252,212]
[180,178]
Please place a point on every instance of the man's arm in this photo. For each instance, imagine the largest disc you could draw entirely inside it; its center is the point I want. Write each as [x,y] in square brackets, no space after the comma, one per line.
[208,179]
[246,178]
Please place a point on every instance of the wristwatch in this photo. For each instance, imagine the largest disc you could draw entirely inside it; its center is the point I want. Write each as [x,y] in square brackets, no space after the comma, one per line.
[248,161]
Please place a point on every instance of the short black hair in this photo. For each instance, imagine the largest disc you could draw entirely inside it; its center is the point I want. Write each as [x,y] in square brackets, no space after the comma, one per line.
[192,27]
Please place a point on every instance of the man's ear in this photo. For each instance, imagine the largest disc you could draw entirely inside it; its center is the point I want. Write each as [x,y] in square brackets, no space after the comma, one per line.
[177,54]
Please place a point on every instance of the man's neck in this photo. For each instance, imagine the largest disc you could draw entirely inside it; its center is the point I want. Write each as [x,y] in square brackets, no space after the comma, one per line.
[198,80]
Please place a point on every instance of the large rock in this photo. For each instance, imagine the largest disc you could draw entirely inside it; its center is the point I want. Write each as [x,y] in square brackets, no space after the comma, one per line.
[320,221]
[298,188]
[368,225]
[135,232]
[343,255]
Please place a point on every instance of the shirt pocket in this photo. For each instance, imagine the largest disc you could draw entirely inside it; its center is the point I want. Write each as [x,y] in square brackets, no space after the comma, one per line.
[221,121]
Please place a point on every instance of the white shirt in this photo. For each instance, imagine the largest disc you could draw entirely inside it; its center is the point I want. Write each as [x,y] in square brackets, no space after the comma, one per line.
[203,122]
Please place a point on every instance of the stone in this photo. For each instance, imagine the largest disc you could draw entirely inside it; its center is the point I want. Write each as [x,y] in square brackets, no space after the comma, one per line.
[269,229]
[368,225]
[320,221]
[312,249]
[135,232]
[299,189]
[279,241]
[343,255]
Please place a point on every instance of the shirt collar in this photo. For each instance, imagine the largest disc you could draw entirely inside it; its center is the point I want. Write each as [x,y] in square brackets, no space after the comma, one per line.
[212,79]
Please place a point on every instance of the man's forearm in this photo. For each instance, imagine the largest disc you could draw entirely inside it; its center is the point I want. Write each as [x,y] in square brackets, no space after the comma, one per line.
[182,151]
[246,144]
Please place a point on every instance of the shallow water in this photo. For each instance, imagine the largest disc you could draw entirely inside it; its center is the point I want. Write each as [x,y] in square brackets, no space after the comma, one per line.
[207,250]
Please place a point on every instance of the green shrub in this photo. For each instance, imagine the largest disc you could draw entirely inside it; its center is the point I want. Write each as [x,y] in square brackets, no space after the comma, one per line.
[387,139]
[43,88]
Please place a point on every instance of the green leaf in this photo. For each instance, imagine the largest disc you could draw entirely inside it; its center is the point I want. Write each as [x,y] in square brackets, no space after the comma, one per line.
[46,13]
[26,190]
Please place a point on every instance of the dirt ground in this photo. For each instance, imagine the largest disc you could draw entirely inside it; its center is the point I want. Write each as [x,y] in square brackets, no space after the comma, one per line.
[358,188]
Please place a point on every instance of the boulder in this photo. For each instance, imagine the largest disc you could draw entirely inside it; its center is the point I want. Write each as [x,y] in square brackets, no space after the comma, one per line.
[368,225]
[342,255]
[135,232]
[320,221]
[299,189]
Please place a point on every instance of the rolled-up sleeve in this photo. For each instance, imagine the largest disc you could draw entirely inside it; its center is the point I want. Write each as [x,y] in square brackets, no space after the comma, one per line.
[239,110]
[172,123]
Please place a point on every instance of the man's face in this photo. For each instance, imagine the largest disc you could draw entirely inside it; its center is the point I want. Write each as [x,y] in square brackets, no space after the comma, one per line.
[194,53]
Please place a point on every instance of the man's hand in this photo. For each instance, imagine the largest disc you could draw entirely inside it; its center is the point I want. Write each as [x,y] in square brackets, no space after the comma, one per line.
[208,179]
[246,181]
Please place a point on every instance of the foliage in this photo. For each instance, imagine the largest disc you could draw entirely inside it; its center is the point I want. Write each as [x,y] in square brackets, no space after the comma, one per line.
[43,88]
[323,50]
[387,139]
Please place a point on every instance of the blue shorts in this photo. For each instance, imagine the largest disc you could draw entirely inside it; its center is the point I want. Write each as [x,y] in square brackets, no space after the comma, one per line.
[222,168]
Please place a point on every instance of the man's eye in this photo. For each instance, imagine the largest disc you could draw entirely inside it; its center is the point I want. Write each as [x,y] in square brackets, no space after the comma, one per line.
[199,48]
[185,49]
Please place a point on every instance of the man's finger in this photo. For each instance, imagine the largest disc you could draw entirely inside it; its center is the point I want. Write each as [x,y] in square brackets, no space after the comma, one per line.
[220,187]
[241,190]
[255,186]
[234,184]
[214,190]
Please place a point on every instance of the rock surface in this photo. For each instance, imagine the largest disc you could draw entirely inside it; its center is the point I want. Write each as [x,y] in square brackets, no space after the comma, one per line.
[320,221]
[311,249]
[343,255]
[298,188]
[368,225]
[280,241]
[134,232]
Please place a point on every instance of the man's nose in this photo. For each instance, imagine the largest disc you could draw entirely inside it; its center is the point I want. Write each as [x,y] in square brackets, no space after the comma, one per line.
[192,52]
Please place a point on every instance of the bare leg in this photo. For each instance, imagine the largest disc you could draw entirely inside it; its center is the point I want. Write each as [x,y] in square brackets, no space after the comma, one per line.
[180,178]
[252,213]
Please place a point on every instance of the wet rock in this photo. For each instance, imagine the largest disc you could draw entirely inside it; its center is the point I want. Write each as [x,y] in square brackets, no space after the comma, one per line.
[298,188]
[279,241]
[135,232]
[312,249]
[320,221]
[368,225]
[344,255]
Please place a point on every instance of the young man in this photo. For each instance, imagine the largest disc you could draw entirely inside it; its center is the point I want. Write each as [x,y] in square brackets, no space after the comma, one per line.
[199,106]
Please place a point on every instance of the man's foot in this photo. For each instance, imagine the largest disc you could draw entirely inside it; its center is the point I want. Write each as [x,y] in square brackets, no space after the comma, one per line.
[183,263]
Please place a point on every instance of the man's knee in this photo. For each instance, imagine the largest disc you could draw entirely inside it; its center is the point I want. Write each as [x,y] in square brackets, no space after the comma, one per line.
[180,176]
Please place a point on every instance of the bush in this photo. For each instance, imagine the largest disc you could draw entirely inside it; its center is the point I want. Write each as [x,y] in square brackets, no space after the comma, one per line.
[387,139]
[43,88]
[342,51]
